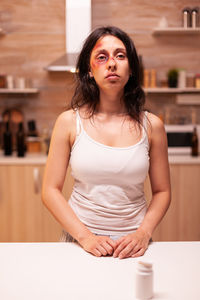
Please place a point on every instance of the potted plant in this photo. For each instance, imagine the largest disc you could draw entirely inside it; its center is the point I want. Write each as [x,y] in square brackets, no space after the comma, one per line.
[172,77]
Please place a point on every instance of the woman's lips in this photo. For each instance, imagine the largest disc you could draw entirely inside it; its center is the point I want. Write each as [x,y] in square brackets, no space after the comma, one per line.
[112,76]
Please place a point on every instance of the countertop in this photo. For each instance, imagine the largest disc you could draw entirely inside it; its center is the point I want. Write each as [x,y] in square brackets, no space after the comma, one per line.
[40,159]
[183,159]
[49,271]
[28,159]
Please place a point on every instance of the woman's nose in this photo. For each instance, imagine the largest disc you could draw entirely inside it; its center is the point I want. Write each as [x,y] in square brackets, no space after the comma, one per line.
[111,63]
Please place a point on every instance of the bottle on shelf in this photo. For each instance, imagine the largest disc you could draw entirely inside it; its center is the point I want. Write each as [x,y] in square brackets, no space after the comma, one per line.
[146,78]
[2,81]
[153,78]
[7,140]
[9,82]
[193,116]
[197,80]
[194,142]
[186,17]
[194,17]
[181,78]
[190,80]
[32,130]
[32,139]
[20,141]
[163,23]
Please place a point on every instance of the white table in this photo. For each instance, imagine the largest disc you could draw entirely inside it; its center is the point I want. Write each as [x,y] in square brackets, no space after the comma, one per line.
[54,271]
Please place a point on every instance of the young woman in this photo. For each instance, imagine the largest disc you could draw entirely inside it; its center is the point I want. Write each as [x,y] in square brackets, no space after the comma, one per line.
[112,144]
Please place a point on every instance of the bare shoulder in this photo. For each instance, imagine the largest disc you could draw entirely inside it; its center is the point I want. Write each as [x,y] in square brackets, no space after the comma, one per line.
[156,124]
[65,125]
[156,128]
[66,117]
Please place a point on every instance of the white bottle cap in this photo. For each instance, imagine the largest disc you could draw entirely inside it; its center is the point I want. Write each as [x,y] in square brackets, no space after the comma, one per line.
[146,263]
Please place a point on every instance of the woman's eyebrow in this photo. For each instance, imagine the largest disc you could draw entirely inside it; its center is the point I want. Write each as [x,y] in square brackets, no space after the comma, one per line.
[100,51]
[115,51]
[120,49]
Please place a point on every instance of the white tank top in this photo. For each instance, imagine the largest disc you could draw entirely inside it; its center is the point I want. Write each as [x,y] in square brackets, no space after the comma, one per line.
[108,194]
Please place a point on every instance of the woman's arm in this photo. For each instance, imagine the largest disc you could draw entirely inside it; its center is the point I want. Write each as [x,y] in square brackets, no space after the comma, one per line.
[63,136]
[159,177]
[135,244]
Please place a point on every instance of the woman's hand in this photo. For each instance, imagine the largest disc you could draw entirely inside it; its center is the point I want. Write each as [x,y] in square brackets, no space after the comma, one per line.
[132,245]
[98,245]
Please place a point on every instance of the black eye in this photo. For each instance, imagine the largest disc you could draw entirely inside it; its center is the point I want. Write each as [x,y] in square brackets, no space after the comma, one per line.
[101,57]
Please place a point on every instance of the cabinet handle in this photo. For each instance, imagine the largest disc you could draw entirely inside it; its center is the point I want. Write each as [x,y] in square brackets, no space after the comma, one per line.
[36,178]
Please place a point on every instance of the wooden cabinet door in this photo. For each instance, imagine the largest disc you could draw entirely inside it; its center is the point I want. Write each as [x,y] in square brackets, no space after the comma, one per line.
[5,193]
[182,220]
[189,203]
[23,217]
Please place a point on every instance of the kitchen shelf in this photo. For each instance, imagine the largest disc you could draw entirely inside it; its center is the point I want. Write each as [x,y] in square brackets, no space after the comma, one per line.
[175,30]
[171,90]
[19,91]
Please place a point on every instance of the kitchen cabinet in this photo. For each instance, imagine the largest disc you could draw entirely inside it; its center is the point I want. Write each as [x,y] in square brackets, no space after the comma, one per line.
[181,222]
[23,217]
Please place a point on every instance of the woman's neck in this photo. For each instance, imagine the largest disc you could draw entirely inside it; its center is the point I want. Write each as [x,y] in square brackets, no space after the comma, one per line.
[111,104]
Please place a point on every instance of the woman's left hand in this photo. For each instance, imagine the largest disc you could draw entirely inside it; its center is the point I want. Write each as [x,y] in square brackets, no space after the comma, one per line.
[132,245]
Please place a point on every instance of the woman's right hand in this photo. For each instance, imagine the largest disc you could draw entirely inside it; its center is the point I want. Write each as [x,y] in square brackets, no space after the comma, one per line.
[98,245]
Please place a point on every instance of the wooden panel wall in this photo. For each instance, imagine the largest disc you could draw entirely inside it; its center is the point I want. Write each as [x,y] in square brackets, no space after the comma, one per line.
[36,37]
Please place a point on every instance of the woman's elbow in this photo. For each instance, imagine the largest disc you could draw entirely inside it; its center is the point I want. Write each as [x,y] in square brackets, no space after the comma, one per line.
[44,194]
[49,193]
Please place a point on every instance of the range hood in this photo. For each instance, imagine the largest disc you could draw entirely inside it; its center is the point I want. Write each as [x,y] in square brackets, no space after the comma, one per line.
[78,26]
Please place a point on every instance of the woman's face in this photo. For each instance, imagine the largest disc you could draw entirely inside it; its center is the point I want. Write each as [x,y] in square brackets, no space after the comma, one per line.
[109,63]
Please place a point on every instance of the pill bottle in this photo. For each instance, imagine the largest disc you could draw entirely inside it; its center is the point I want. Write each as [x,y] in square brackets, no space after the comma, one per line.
[144,280]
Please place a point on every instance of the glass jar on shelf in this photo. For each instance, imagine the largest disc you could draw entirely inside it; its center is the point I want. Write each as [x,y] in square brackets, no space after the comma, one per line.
[197,80]
[190,80]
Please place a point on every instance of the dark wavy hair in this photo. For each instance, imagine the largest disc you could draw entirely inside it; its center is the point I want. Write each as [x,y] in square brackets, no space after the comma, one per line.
[87,91]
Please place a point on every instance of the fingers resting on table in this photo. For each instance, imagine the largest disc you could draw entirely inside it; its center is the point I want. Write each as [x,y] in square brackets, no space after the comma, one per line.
[130,245]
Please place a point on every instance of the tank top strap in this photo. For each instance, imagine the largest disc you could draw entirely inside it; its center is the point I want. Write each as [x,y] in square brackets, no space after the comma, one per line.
[79,126]
[145,120]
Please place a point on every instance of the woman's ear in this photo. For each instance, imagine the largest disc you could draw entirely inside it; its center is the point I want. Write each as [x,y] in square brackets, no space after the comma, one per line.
[90,74]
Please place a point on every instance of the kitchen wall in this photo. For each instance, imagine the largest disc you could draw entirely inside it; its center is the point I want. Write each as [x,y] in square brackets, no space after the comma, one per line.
[35,36]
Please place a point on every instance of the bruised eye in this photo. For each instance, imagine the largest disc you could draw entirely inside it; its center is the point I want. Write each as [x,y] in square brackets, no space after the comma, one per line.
[101,58]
